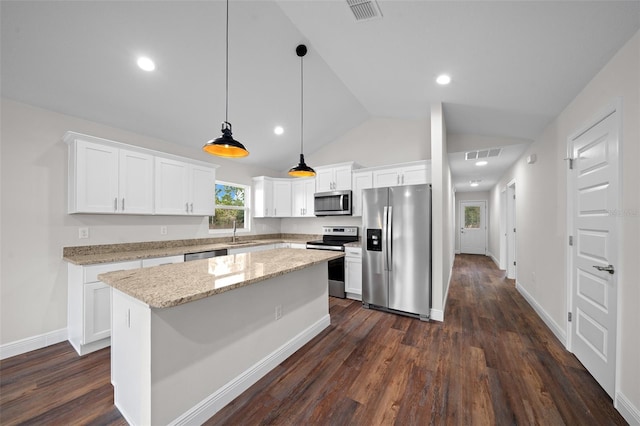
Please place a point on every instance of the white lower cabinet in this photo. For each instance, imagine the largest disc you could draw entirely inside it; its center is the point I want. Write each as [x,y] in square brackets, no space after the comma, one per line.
[353,272]
[89,302]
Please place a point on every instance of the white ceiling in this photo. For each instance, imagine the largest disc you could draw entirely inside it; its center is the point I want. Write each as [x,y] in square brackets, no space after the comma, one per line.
[515,65]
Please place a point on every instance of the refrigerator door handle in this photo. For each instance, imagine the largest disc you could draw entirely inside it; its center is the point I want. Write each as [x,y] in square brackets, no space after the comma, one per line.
[388,238]
[385,228]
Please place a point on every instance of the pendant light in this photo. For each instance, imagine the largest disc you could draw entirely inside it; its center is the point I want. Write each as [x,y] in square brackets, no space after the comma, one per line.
[225,145]
[301,170]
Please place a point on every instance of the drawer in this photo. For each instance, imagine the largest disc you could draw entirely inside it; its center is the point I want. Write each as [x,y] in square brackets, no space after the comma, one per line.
[156,261]
[91,272]
[353,251]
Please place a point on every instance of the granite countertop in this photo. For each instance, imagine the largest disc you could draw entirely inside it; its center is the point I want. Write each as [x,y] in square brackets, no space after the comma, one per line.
[171,285]
[355,244]
[90,255]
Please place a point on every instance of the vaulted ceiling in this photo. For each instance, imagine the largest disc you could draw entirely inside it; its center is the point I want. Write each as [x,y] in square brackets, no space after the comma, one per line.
[514,65]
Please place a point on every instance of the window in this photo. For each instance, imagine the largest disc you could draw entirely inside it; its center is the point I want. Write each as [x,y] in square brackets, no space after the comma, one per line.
[232,204]
[472,217]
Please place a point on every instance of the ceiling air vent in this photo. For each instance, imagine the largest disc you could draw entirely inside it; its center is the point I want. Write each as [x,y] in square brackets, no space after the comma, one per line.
[365,10]
[484,153]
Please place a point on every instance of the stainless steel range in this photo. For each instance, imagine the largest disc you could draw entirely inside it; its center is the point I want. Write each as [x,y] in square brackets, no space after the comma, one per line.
[334,238]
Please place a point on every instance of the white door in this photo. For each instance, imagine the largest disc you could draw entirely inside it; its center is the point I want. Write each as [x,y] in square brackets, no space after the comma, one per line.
[473,229]
[594,183]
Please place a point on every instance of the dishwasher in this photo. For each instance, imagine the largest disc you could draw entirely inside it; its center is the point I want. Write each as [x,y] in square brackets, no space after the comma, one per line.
[204,254]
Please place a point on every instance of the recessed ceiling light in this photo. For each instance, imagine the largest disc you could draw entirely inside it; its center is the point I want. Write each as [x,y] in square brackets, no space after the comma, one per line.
[443,79]
[474,184]
[146,63]
[482,163]
[278,130]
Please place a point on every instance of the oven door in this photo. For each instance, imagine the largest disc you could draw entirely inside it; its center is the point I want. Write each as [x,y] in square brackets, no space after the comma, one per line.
[336,278]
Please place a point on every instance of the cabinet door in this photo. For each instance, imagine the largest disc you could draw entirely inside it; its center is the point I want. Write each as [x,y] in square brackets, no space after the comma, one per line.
[324,180]
[362,180]
[282,198]
[302,191]
[202,190]
[298,198]
[414,175]
[386,178]
[262,197]
[310,189]
[96,178]
[353,275]
[342,178]
[135,183]
[171,188]
[97,312]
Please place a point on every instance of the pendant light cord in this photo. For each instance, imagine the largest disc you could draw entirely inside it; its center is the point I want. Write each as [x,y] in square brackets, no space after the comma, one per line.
[301,105]
[226,111]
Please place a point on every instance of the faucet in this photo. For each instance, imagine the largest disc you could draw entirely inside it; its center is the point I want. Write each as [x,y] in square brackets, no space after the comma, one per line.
[233,240]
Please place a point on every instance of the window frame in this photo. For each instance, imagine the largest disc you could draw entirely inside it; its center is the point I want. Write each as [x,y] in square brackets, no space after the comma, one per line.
[246,208]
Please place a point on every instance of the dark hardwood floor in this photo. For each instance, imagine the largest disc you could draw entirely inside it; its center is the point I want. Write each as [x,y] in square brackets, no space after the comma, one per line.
[492,361]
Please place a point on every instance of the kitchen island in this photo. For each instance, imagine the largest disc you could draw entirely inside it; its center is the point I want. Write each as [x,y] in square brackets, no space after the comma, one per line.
[188,338]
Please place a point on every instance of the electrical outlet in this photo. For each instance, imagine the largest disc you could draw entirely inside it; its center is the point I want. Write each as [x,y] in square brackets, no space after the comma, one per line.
[163,230]
[83,233]
[278,312]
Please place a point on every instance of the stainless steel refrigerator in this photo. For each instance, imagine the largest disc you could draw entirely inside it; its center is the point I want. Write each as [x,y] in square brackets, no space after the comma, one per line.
[396,254]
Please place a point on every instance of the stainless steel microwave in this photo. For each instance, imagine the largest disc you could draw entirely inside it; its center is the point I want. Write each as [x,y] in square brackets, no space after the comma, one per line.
[332,203]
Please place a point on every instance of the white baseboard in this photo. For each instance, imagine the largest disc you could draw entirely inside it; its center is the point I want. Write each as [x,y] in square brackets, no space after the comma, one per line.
[553,326]
[630,413]
[495,260]
[209,406]
[32,343]
[436,315]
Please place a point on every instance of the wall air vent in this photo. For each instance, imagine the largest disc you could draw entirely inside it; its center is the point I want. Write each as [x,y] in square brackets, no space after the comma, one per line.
[365,10]
[483,153]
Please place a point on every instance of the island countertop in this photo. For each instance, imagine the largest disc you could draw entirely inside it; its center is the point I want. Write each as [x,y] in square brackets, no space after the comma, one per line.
[165,286]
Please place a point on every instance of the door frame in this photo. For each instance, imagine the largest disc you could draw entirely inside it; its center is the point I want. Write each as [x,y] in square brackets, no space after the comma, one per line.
[512,253]
[503,229]
[614,107]
[460,221]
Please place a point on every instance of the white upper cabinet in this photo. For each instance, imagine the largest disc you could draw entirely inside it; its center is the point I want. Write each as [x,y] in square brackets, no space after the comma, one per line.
[282,198]
[272,197]
[171,187]
[405,174]
[202,190]
[136,182]
[361,180]
[111,177]
[262,196]
[184,189]
[336,177]
[302,191]
[107,179]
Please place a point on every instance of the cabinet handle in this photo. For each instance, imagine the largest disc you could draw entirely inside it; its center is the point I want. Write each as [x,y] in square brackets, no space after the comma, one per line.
[115,204]
[191,207]
[186,206]
[123,204]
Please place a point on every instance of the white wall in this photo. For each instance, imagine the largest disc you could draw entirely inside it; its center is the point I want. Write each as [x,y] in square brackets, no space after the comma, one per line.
[541,209]
[442,213]
[35,226]
[378,141]
[468,196]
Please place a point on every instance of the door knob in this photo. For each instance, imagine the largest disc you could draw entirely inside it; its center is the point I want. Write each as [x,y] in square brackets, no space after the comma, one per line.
[608,269]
